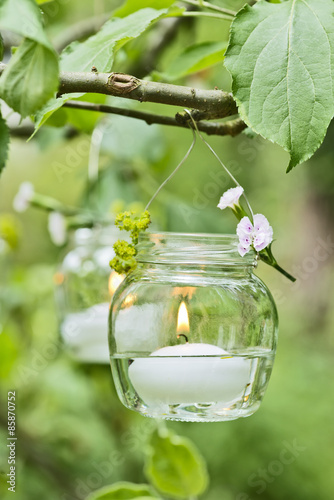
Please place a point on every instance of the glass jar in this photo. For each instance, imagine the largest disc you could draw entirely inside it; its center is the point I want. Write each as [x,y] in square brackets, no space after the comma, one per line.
[84,286]
[193,331]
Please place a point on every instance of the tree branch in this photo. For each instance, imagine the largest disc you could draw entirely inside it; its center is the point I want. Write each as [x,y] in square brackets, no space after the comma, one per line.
[130,87]
[207,104]
[232,127]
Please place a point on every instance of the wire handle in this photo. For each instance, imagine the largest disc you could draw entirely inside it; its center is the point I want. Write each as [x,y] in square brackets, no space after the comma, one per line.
[220,161]
[174,171]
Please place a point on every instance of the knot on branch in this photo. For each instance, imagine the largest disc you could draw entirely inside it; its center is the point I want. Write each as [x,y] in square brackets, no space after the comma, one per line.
[122,84]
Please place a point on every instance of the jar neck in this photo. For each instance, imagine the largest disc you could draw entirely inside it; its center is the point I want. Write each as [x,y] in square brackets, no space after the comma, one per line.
[169,270]
[189,252]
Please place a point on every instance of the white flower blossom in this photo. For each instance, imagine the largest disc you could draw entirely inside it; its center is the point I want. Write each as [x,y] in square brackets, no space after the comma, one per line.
[57,228]
[23,197]
[259,235]
[230,198]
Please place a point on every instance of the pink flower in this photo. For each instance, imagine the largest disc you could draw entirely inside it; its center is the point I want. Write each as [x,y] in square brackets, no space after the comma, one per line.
[259,235]
[230,198]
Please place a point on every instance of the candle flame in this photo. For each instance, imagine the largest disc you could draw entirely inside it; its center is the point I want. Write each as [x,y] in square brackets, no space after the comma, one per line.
[115,280]
[182,319]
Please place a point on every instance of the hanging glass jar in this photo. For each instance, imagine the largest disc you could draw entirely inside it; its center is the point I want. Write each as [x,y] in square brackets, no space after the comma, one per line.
[84,286]
[193,331]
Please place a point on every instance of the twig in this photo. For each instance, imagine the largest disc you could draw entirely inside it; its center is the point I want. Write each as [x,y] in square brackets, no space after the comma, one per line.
[202,14]
[210,6]
[232,127]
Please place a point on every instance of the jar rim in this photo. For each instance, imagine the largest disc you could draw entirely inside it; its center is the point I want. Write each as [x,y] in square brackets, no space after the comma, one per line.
[192,248]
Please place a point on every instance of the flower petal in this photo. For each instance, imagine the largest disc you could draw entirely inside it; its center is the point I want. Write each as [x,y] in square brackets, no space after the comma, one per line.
[243,250]
[245,227]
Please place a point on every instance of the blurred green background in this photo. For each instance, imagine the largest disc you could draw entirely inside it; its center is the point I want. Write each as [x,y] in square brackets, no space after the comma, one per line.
[75,436]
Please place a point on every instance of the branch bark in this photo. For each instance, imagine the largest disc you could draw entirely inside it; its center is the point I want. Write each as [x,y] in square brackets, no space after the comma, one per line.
[231,127]
[130,87]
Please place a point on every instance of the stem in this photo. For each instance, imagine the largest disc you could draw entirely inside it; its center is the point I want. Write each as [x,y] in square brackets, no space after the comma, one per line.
[201,14]
[285,273]
[231,127]
[279,269]
[267,257]
[210,6]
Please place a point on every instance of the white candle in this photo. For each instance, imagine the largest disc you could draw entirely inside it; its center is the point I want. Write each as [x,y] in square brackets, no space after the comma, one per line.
[86,334]
[189,374]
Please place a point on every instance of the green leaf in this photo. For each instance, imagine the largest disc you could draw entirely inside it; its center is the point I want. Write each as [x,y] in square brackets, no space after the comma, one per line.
[195,58]
[175,466]
[30,78]
[123,491]
[4,142]
[281,59]
[23,17]
[99,50]
[131,6]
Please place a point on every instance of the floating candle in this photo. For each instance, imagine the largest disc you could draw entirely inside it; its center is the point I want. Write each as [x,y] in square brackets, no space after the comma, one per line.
[191,373]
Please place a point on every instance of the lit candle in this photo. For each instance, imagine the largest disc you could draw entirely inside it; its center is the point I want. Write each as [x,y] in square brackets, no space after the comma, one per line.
[86,332]
[190,373]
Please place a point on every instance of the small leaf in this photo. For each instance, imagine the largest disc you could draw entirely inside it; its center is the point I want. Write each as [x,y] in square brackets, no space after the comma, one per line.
[30,78]
[175,466]
[99,50]
[131,6]
[195,58]
[123,491]
[280,57]
[4,142]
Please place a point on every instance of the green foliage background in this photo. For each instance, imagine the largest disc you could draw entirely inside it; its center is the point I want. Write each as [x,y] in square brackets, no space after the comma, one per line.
[75,434]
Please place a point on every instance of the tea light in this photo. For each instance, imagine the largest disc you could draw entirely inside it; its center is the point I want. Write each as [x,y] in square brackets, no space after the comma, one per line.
[190,373]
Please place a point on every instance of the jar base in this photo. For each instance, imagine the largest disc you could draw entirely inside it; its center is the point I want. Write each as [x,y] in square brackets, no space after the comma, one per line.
[207,389]
[196,412]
